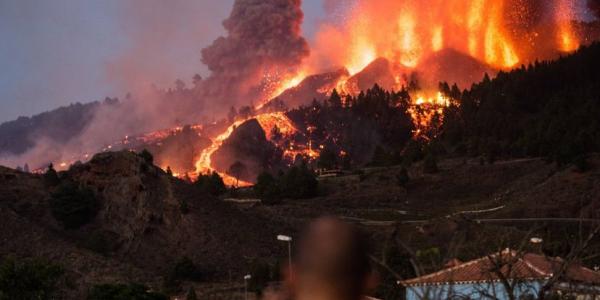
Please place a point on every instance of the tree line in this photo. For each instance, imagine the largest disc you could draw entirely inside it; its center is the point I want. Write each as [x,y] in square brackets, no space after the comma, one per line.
[548,109]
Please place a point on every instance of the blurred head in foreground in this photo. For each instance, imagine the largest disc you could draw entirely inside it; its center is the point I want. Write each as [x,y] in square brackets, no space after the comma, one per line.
[332,263]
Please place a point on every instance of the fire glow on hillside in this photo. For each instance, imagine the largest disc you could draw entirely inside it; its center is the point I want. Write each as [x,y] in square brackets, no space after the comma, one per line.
[498,33]
[501,33]
[268,122]
[412,39]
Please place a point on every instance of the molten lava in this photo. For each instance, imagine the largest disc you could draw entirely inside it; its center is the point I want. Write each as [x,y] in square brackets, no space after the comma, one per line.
[497,34]
[268,122]
[427,113]
[204,163]
[567,38]
[404,32]
[278,120]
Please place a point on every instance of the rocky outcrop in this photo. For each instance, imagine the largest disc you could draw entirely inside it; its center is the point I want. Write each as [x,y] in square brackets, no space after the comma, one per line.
[247,144]
[140,223]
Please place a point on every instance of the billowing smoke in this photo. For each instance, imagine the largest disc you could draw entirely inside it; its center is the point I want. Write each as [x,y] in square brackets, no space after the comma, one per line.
[263,45]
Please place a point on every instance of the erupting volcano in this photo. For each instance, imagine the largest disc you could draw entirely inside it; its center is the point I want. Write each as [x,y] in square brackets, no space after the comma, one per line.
[408,46]
[499,33]
[429,132]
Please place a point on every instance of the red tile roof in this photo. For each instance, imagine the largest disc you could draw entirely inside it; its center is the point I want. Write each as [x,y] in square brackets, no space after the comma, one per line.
[508,264]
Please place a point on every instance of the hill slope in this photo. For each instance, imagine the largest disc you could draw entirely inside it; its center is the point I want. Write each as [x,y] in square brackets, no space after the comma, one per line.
[140,224]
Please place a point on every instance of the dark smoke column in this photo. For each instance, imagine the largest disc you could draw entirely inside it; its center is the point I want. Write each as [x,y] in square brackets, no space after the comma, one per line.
[263,37]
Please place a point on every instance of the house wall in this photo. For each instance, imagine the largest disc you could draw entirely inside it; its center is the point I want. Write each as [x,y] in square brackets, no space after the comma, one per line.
[491,290]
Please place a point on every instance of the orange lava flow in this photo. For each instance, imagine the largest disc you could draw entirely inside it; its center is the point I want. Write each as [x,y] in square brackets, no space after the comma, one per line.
[204,162]
[267,121]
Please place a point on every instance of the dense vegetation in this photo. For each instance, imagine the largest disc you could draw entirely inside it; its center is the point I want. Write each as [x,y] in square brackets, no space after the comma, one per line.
[549,109]
[28,279]
[184,269]
[73,205]
[123,292]
[350,129]
[297,183]
[211,184]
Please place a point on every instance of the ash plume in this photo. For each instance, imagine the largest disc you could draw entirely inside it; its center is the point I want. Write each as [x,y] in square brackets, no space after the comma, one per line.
[263,40]
[263,43]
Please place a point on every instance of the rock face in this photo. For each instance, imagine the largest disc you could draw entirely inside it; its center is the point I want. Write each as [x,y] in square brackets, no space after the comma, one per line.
[378,72]
[248,144]
[140,221]
[453,67]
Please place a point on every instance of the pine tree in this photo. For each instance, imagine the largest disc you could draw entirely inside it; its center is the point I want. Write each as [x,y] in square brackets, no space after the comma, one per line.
[51,177]
[147,156]
[335,100]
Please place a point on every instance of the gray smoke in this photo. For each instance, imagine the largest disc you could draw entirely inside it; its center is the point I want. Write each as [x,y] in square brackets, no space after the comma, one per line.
[263,38]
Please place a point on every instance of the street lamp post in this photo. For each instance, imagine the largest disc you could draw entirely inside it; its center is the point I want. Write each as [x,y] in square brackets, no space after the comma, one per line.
[246,278]
[288,240]
[536,240]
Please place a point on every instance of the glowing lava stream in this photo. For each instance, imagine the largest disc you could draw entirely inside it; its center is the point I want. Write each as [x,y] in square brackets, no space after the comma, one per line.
[204,163]
[267,121]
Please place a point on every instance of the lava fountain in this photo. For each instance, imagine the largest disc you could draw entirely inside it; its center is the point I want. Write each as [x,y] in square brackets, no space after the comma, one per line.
[405,32]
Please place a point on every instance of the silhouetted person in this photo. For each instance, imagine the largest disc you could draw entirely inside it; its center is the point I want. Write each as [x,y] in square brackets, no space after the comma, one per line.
[331,264]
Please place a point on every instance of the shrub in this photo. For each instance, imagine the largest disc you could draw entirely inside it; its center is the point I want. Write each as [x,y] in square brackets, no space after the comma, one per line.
[430,164]
[185,269]
[238,170]
[402,177]
[98,243]
[182,270]
[581,163]
[73,206]
[327,159]
[413,152]
[28,279]
[147,156]
[51,177]
[123,292]
[212,184]
[184,207]
[267,188]
[299,183]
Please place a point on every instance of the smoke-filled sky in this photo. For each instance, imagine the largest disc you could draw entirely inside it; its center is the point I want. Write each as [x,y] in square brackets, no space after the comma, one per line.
[57,52]
[53,53]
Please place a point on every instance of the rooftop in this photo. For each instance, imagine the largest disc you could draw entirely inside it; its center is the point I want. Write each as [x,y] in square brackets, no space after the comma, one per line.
[507,264]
